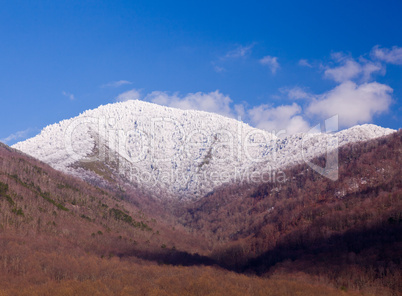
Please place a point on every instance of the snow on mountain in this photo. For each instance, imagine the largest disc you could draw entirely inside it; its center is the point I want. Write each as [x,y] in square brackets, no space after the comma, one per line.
[185,153]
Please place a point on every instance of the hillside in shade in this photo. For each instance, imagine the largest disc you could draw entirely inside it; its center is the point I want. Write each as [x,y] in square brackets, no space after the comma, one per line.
[348,230]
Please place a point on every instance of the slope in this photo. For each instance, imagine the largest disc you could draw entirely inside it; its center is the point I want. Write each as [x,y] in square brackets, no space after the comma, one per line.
[347,232]
[309,235]
[62,236]
[39,203]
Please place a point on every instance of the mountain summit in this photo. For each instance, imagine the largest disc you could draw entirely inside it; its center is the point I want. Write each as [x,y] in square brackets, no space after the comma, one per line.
[182,153]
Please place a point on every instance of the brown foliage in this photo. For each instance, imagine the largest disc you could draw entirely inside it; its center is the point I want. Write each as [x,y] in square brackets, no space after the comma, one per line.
[313,220]
[307,236]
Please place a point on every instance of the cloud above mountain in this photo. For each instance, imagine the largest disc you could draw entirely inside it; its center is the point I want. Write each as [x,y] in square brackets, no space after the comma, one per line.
[347,68]
[356,97]
[285,117]
[391,56]
[132,94]
[355,104]
[215,102]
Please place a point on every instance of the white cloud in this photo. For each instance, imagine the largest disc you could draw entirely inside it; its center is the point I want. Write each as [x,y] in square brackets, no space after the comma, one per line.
[211,102]
[286,117]
[296,93]
[240,51]
[392,56]
[271,62]
[16,136]
[68,95]
[240,111]
[339,56]
[129,95]
[305,63]
[351,69]
[355,104]
[116,83]
[368,68]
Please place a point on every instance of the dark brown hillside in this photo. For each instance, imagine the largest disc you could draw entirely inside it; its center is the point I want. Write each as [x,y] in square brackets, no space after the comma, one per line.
[62,236]
[365,170]
[307,236]
[348,231]
[38,203]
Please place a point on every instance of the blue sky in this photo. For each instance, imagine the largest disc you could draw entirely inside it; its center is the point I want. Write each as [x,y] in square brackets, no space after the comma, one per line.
[278,64]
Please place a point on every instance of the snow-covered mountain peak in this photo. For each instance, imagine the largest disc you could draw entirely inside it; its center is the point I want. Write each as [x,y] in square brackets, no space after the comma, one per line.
[186,153]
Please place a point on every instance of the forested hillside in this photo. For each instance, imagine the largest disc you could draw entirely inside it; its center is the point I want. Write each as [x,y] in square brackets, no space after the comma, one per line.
[306,236]
[348,231]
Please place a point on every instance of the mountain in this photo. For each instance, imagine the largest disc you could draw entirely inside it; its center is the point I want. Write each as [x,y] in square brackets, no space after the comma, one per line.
[175,153]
